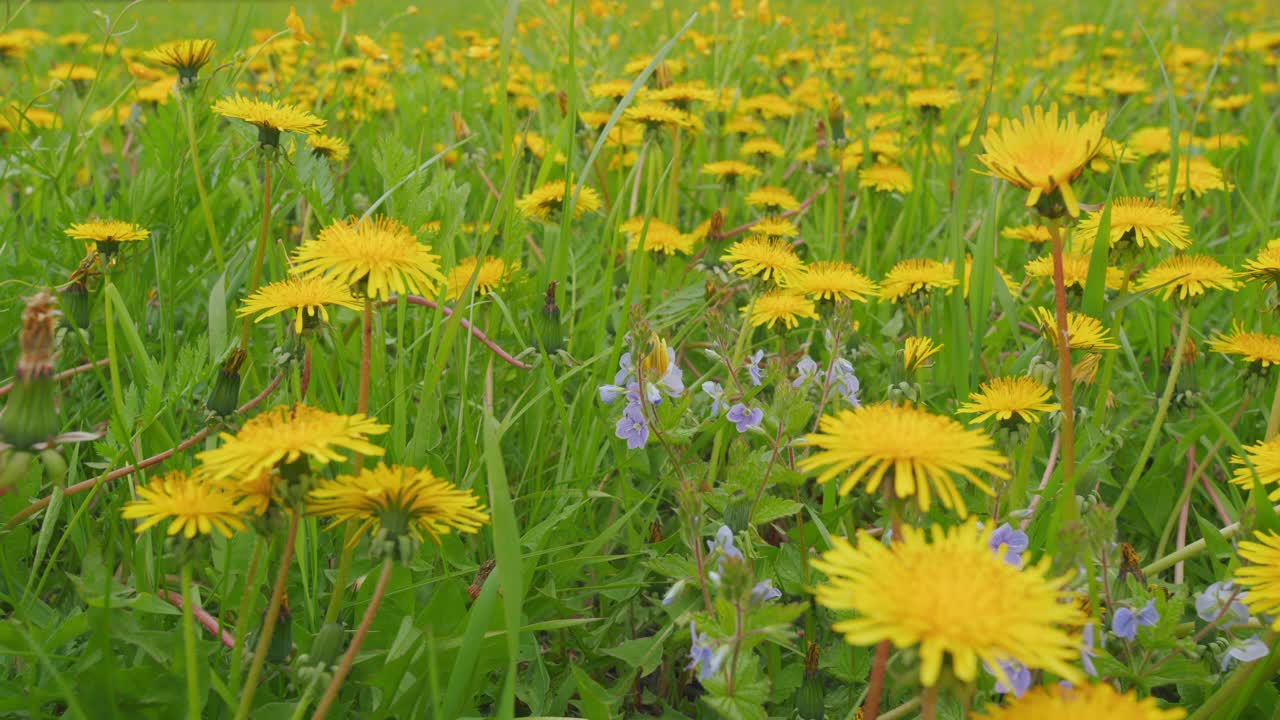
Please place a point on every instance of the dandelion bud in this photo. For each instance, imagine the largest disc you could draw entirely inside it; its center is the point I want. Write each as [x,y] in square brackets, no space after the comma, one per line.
[14,465]
[835,116]
[551,334]
[225,396]
[325,648]
[282,640]
[662,76]
[29,417]
[562,101]
[55,466]
[75,301]
[716,228]
[460,130]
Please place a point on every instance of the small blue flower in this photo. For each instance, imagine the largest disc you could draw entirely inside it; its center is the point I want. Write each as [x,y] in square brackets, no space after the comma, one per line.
[716,393]
[846,384]
[632,426]
[674,592]
[703,654]
[1212,602]
[744,419]
[1087,653]
[1245,651]
[754,367]
[1126,622]
[806,368]
[764,591]
[724,543]
[1017,673]
[1015,543]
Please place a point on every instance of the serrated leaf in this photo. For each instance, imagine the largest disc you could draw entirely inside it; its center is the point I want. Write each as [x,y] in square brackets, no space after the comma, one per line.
[771,508]
[644,653]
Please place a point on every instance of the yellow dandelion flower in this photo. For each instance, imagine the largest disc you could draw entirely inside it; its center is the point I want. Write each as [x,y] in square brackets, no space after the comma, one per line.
[1262,576]
[271,118]
[775,227]
[493,273]
[932,99]
[333,149]
[191,505]
[768,258]
[784,306]
[761,148]
[1187,275]
[917,350]
[72,72]
[1256,348]
[402,499]
[884,177]
[834,280]
[1009,284]
[682,94]
[1142,221]
[106,234]
[297,27]
[743,126]
[1041,154]
[611,89]
[369,48]
[659,237]
[185,56]
[657,115]
[1075,270]
[1196,175]
[772,199]
[1027,233]
[975,608]
[918,275]
[1083,332]
[1265,267]
[769,106]
[287,434]
[911,448]
[1008,398]
[307,297]
[730,170]
[378,254]
[547,202]
[1086,371]
[1093,701]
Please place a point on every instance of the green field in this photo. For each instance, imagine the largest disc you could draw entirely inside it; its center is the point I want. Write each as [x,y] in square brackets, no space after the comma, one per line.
[600,359]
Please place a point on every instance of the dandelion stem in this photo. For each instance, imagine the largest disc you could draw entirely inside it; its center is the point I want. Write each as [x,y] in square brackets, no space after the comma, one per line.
[340,576]
[189,643]
[1068,431]
[929,703]
[466,325]
[269,620]
[255,275]
[113,366]
[366,361]
[196,169]
[871,706]
[1273,420]
[1199,473]
[349,657]
[902,710]
[242,614]
[1162,411]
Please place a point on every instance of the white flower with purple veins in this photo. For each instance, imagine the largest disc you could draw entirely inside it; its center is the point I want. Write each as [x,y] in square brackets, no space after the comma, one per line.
[1221,598]
[806,370]
[1014,541]
[632,426]
[744,419]
[1244,650]
[1019,676]
[845,383]
[1126,622]
[703,655]
[764,591]
[716,393]
[754,367]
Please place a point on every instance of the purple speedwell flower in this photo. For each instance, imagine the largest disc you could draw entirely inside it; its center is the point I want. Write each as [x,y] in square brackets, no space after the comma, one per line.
[744,419]
[754,367]
[674,592]
[806,369]
[724,543]
[1018,674]
[703,655]
[845,383]
[632,426]
[1014,542]
[1221,598]
[1245,650]
[1087,653]
[764,591]
[626,381]
[716,393]
[1126,622]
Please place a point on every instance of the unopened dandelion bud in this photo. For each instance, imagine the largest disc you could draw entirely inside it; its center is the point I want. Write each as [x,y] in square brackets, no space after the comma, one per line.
[14,465]
[715,230]
[225,396]
[317,665]
[55,466]
[29,417]
[835,116]
[76,304]
[551,332]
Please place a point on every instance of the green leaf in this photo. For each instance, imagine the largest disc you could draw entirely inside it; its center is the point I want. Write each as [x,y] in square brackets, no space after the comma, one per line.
[642,653]
[594,699]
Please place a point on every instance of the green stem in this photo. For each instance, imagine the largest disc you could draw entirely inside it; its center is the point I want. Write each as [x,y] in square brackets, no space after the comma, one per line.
[1065,380]
[269,620]
[189,643]
[210,225]
[340,578]
[305,701]
[1273,420]
[349,657]
[242,615]
[117,394]
[902,710]
[1162,411]
[260,252]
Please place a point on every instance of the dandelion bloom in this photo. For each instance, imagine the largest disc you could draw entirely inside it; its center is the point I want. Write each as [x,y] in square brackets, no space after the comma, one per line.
[1196,175]
[658,115]
[185,56]
[1041,154]
[306,297]
[378,254]
[769,259]
[1142,221]
[778,228]
[1265,267]
[191,505]
[945,593]
[729,170]
[1075,271]
[785,306]
[659,237]
[287,434]
[834,280]
[333,149]
[762,148]
[885,178]
[1262,575]
[772,199]
[918,276]
[1083,332]
[1262,458]
[1007,398]
[932,99]
[271,118]
[1096,702]
[1257,348]
[296,27]
[1027,233]
[917,450]
[1187,275]
[916,350]
[403,499]
[106,235]
[546,202]
[493,273]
